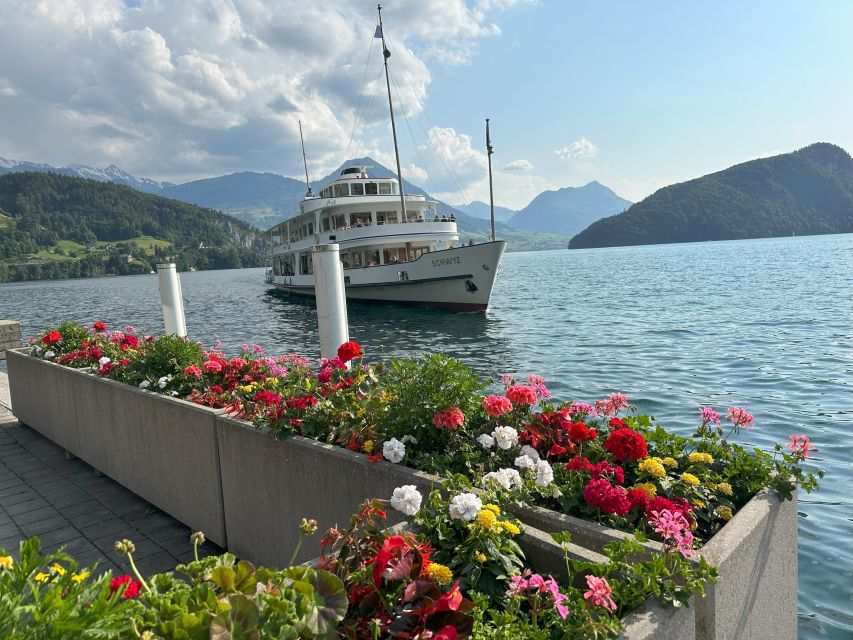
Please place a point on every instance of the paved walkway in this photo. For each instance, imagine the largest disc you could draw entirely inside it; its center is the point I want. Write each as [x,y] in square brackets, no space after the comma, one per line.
[66,503]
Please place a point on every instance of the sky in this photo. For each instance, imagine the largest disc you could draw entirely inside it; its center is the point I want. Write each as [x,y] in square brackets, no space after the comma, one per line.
[635,95]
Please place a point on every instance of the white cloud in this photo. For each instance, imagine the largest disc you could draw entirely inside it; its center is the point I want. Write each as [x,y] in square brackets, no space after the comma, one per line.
[178,90]
[519,166]
[578,149]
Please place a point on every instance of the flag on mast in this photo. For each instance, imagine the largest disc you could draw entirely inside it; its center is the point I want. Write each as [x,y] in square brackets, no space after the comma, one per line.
[378,32]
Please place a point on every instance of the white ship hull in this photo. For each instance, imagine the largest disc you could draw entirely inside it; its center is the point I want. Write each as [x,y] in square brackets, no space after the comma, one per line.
[457,279]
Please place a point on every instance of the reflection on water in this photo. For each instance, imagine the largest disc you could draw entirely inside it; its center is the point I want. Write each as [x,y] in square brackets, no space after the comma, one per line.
[766,324]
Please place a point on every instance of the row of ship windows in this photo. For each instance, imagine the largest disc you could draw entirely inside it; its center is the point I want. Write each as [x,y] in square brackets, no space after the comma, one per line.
[342,190]
[284,265]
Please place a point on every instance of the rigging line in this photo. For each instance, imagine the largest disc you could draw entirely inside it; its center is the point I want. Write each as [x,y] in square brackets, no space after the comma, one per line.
[448,166]
[360,95]
[367,107]
[412,136]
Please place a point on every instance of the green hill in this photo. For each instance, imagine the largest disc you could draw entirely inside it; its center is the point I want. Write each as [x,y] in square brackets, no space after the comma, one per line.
[56,226]
[806,192]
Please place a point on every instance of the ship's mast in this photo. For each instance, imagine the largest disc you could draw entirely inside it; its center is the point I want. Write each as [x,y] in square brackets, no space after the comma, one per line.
[309,194]
[489,152]
[387,54]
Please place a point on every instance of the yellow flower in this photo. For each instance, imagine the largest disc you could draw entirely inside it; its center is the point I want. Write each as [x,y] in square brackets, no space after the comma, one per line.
[439,573]
[41,576]
[653,466]
[493,508]
[510,528]
[6,562]
[480,557]
[79,577]
[58,569]
[690,479]
[487,518]
[698,504]
[724,512]
[669,462]
[367,447]
[247,388]
[698,456]
[271,381]
[725,488]
[648,487]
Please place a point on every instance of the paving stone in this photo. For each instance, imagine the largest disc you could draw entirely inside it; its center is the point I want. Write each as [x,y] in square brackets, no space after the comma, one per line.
[10,545]
[88,506]
[43,526]
[90,517]
[59,536]
[34,516]
[111,527]
[157,563]
[9,530]
[17,505]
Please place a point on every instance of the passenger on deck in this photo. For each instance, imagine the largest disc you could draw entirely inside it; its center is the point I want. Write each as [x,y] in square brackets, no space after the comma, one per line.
[435,217]
[453,217]
[444,217]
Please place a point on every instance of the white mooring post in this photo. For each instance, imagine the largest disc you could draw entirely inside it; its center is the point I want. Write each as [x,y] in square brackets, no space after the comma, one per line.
[331,299]
[172,300]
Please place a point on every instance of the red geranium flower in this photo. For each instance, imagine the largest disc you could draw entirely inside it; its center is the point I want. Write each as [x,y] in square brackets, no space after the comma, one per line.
[450,418]
[579,432]
[212,366]
[521,394]
[600,493]
[579,463]
[497,405]
[349,350]
[100,326]
[638,498]
[192,371]
[626,444]
[51,337]
[267,398]
[604,468]
[130,591]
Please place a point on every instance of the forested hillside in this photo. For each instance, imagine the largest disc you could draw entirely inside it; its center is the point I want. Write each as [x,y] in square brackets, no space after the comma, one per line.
[806,192]
[54,226]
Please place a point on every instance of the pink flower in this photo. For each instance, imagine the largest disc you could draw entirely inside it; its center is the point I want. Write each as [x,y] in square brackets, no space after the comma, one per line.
[674,526]
[507,379]
[192,371]
[521,394]
[238,363]
[800,446]
[212,366]
[497,405]
[709,416]
[519,584]
[539,384]
[599,593]
[612,405]
[583,408]
[740,418]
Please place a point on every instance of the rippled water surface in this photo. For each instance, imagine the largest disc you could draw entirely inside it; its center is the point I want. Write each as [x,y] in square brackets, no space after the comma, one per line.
[765,324]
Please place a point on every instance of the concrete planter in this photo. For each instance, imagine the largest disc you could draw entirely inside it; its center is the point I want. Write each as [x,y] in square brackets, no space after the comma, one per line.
[269,484]
[755,554]
[163,449]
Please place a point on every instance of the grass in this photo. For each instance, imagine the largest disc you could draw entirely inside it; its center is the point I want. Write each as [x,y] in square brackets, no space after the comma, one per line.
[148,244]
[5,221]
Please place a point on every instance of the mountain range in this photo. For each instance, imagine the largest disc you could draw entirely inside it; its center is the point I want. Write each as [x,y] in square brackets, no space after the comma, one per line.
[263,199]
[805,192]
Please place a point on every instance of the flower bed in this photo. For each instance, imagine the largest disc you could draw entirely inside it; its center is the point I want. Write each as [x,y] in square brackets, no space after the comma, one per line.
[596,469]
[459,568]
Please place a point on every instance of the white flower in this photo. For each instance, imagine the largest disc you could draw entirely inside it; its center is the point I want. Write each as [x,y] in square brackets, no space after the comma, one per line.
[409,438]
[555,492]
[525,462]
[144,384]
[506,478]
[544,474]
[260,588]
[505,437]
[48,355]
[486,441]
[465,506]
[162,382]
[393,450]
[103,361]
[530,452]
[406,499]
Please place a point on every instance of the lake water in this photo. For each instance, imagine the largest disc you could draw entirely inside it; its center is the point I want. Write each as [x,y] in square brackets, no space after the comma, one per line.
[765,324]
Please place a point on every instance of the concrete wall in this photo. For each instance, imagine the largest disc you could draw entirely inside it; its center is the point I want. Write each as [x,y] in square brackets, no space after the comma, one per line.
[269,484]
[10,336]
[756,556]
[163,449]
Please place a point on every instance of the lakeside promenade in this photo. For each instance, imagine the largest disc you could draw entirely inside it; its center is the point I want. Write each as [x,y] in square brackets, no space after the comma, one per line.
[65,502]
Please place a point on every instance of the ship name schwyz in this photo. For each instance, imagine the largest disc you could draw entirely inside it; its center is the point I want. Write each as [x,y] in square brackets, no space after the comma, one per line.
[446,262]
